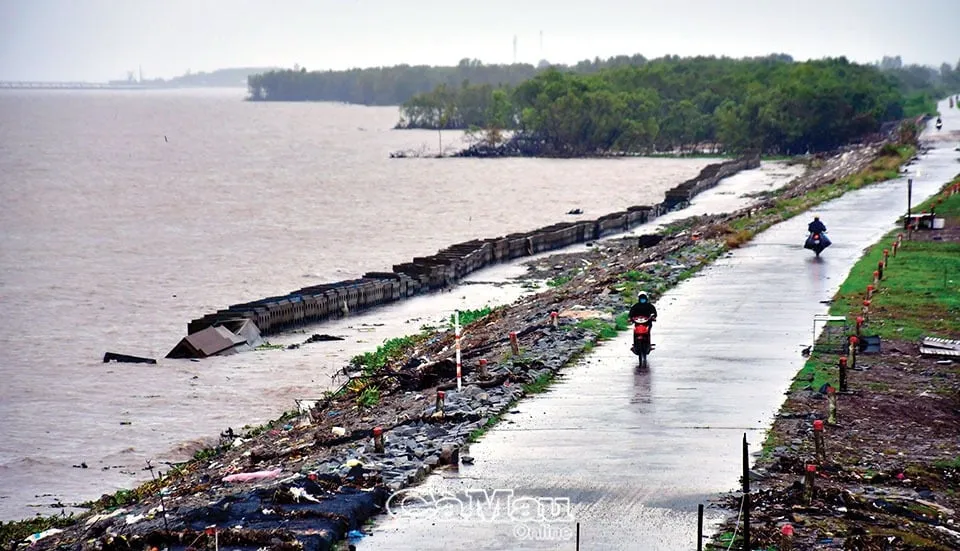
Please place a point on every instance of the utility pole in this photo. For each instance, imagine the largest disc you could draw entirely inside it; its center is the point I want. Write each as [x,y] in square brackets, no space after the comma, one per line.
[514,49]
[909,198]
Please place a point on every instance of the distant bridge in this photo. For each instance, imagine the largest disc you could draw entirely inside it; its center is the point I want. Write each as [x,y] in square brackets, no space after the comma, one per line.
[21,85]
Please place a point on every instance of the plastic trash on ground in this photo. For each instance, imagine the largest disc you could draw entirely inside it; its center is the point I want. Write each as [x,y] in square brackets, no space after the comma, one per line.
[253,477]
[33,538]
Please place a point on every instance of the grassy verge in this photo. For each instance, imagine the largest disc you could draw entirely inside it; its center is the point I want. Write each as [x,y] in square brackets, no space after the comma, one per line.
[469,316]
[390,350]
[919,293]
[918,296]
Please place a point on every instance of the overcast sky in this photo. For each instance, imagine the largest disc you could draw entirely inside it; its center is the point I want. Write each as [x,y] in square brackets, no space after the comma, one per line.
[99,40]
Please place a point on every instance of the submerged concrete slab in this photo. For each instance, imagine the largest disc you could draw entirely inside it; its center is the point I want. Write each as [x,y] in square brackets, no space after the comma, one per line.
[636,451]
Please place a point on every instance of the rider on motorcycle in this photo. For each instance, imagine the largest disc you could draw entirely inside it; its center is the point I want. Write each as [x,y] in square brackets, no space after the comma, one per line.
[643,308]
[816,226]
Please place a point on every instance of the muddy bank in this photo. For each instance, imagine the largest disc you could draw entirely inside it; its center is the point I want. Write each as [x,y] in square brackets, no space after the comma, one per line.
[891,463]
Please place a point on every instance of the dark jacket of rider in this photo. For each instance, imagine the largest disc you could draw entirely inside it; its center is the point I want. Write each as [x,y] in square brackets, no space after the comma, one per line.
[643,308]
[816,226]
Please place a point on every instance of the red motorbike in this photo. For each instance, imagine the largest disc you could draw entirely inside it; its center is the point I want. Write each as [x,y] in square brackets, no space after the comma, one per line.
[641,338]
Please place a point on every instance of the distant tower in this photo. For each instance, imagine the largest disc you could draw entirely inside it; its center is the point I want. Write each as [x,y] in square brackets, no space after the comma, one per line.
[514,48]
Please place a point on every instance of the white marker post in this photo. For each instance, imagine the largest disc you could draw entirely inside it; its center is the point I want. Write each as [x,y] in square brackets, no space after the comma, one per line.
[456,328]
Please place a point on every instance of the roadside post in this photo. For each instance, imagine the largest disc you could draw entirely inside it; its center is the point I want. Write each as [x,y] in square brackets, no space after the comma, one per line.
[746,495]
[786,538]
[456,327]
[909,198]
[808,482]
[700,527]
[831,405]
[854,344]
[818,442]
[439,408]
[843,374]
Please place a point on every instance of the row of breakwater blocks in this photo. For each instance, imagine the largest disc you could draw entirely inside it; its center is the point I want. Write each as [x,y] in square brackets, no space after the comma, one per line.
[318,303]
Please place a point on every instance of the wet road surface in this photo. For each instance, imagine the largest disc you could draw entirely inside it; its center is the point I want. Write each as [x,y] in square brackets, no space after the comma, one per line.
[634,451]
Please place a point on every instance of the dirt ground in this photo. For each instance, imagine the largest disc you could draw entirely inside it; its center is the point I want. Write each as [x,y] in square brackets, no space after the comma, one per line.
[950,232]
[890,478]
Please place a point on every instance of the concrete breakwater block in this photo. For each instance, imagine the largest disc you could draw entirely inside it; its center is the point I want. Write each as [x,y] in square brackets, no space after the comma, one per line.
[124,358]
[232,336]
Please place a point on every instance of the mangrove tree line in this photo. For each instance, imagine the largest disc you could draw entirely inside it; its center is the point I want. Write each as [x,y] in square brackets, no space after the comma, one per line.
[379,85]
[771,104]
[396,85]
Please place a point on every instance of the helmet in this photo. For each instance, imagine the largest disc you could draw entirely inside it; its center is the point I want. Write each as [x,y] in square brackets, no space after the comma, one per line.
[642,296]
[816,218]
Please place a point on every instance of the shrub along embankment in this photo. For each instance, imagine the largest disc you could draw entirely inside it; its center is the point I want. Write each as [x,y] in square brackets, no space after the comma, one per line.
[887,470]
[309,477]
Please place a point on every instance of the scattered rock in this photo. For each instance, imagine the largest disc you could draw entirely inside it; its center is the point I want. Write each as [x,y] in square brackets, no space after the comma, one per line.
[322,338]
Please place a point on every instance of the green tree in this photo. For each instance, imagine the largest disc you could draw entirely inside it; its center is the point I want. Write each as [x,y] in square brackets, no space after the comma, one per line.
[627,105]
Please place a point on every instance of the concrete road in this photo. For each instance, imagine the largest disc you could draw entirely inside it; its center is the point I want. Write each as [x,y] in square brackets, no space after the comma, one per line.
[634,451]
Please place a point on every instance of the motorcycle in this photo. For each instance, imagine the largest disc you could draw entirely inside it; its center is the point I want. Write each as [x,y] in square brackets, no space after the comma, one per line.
[939,123]
[817,242]
[641,338]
